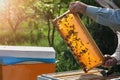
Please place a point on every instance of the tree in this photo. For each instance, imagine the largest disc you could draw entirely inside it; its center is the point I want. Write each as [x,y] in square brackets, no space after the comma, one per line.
[15,12]
[47,9]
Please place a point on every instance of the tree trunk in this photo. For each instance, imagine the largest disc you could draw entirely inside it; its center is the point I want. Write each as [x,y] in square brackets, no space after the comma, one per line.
[107,3]
[49,29]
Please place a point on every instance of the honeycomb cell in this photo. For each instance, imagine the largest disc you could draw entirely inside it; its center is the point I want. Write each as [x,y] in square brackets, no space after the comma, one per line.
[78,39]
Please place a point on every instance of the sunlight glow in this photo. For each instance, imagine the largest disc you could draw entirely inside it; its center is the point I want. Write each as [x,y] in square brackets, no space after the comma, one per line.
[3,4]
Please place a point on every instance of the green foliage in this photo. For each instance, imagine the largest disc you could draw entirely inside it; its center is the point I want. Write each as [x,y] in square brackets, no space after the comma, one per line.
[66,62]
[64,58]
[23,38]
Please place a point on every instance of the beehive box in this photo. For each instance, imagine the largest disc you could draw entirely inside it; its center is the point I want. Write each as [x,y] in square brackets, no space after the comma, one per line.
[16,54]
[25,62]
[78,39]
[25,71]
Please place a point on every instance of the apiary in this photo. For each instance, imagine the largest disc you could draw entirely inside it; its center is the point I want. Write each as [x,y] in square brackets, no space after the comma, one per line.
[78,39]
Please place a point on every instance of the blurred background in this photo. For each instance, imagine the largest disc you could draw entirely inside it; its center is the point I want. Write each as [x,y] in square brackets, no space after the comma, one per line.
[28,23]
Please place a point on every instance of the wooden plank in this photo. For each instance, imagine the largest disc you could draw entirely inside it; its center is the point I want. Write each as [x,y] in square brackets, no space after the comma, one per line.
[94,74]
[107,3]
[72,75]
[78,39]
[112,4]
[103,3]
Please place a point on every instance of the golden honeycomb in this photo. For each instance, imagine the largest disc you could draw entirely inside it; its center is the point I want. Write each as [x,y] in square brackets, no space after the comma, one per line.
[78,39]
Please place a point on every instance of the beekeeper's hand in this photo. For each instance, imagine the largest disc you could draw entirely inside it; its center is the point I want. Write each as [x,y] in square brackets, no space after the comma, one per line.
[77,6]
[109,61]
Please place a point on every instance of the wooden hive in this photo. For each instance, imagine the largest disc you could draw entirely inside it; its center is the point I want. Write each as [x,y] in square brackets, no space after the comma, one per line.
[78,39]
[26,62]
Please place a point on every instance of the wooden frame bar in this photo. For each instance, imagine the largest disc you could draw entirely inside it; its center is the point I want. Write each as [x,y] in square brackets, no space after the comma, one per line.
[78,39]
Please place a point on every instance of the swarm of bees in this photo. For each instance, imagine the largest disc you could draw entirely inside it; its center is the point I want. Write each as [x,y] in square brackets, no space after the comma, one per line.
[74,34]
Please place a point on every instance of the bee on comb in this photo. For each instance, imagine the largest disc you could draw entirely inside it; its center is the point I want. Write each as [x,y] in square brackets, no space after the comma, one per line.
[78,39]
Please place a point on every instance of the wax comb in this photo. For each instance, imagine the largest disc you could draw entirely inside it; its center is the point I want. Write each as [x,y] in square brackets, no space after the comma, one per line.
[78,39]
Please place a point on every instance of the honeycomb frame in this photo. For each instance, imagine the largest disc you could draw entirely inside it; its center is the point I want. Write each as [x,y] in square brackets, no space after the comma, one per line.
[78,39]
